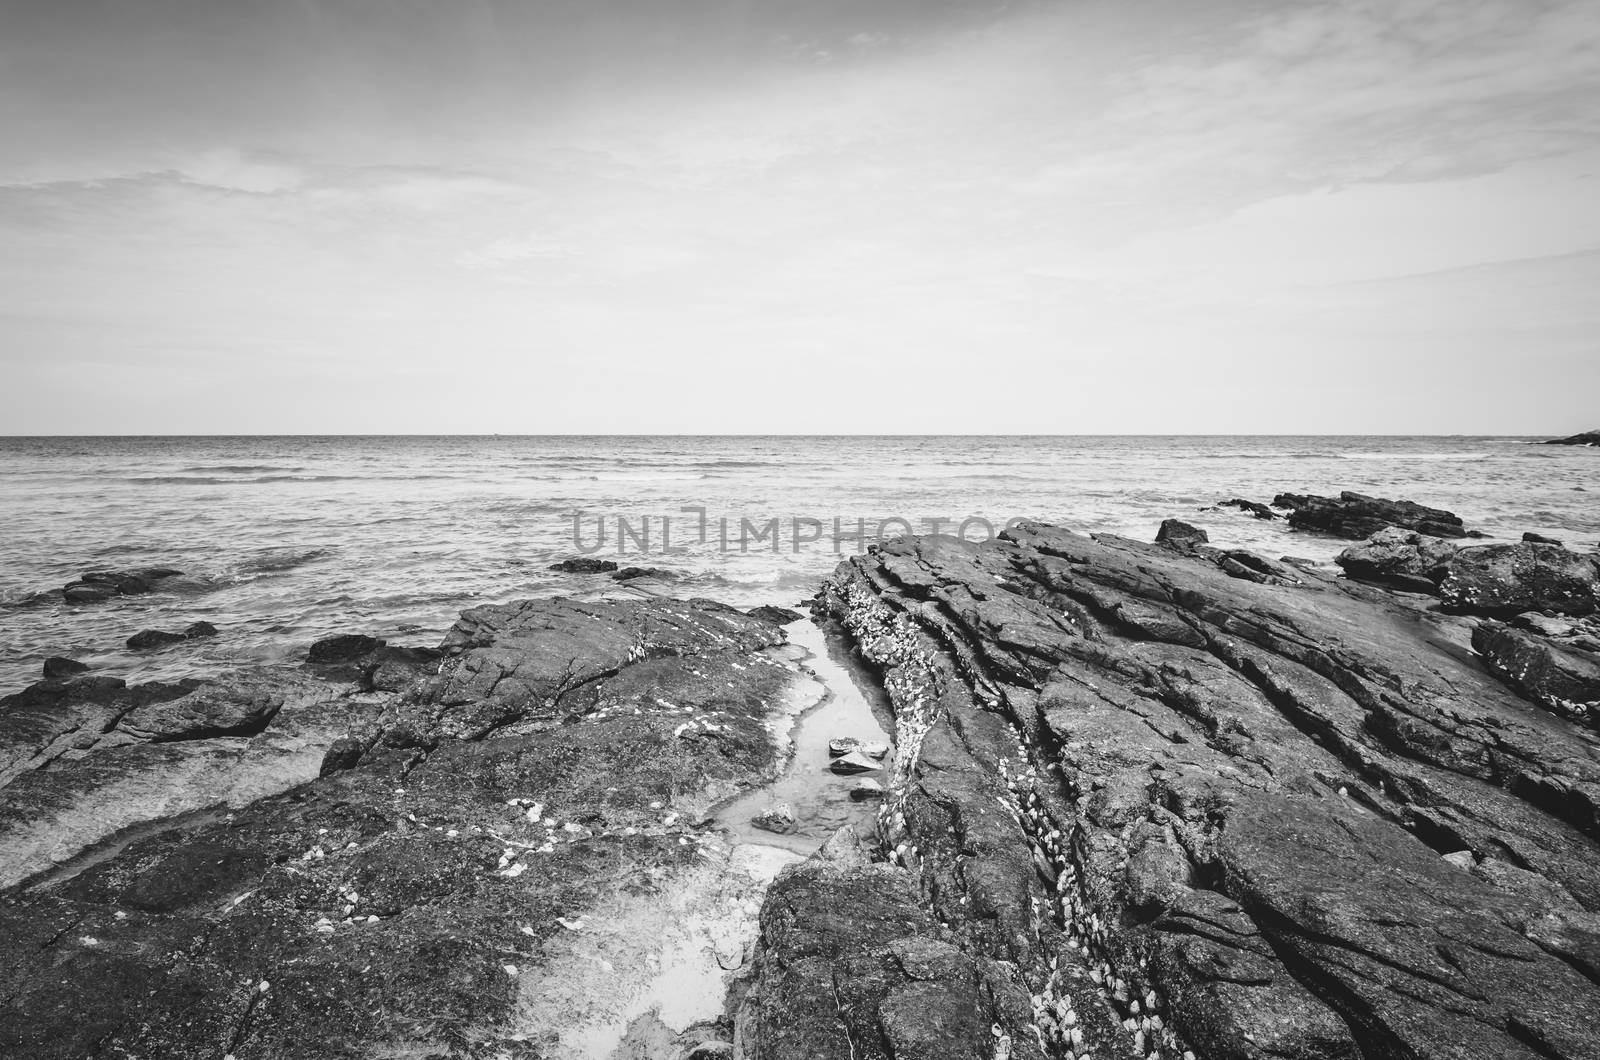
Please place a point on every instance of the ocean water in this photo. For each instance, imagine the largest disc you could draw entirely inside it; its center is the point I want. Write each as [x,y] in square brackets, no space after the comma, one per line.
[287,539]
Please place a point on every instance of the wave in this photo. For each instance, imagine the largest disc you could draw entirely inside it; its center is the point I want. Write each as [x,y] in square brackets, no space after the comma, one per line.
[278,560]
[240,469]
[206,480]
[1468,457]
[619,476]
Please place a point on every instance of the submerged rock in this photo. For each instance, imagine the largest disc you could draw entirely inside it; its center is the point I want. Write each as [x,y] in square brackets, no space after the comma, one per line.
[854,762]
[628,574]
[866,788]
[780,616]
[1255,508]
[584,565]
[779,819]
[97,586]
[148,639]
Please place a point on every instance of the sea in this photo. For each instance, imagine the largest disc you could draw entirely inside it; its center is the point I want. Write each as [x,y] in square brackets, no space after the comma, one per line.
[283,540]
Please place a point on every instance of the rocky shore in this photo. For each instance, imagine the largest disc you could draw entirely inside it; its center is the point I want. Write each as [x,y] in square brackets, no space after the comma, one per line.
[1158,800]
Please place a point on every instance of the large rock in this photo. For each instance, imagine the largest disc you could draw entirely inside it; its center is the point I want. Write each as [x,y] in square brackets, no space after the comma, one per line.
[1196,812]
[1177,534]
[854,966]
[1586,438]
[510,861]
[1504,580]
[1357,516]
[1402,558]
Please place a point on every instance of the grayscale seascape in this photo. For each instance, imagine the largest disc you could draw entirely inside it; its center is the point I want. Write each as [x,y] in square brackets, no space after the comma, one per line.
[799,530]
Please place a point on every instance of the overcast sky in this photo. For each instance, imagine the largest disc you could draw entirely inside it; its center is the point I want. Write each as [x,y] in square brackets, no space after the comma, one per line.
[771,216]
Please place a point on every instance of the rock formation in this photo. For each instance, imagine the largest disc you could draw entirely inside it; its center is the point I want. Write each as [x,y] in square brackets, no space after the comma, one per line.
[148,639]
[97,586]
[1357,516]
[421,896]
[1143,805]
[1145,801]
[1586,438]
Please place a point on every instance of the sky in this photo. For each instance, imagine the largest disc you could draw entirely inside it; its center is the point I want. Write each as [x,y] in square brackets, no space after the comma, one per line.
[799,216]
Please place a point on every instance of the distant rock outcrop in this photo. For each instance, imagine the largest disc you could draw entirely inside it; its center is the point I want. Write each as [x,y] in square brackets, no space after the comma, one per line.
[1586,438]
[1357,516]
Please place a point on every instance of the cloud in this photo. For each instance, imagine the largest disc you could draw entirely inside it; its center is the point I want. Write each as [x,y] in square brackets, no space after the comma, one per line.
[636,196]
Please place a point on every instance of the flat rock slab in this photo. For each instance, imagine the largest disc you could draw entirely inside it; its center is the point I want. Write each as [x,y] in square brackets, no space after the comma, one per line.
[521,822]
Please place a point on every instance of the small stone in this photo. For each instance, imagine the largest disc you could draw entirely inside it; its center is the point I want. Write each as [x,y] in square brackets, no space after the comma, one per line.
[842,745]
[779,819]
[864,789]
[854,762]
[875,750]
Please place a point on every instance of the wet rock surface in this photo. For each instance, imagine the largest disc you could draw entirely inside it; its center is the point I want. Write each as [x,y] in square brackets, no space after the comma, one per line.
[98,586]
[781,616]
[507,854]
[1141,805]
[585,565]
[152,639]
[1142,800]
[628,574]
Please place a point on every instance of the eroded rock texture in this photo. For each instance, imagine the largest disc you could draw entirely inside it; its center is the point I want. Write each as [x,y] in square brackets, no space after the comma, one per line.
[1187,811]
[431,893]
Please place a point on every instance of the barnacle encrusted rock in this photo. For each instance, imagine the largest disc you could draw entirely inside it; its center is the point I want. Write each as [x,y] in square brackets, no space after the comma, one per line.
[1190,813]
